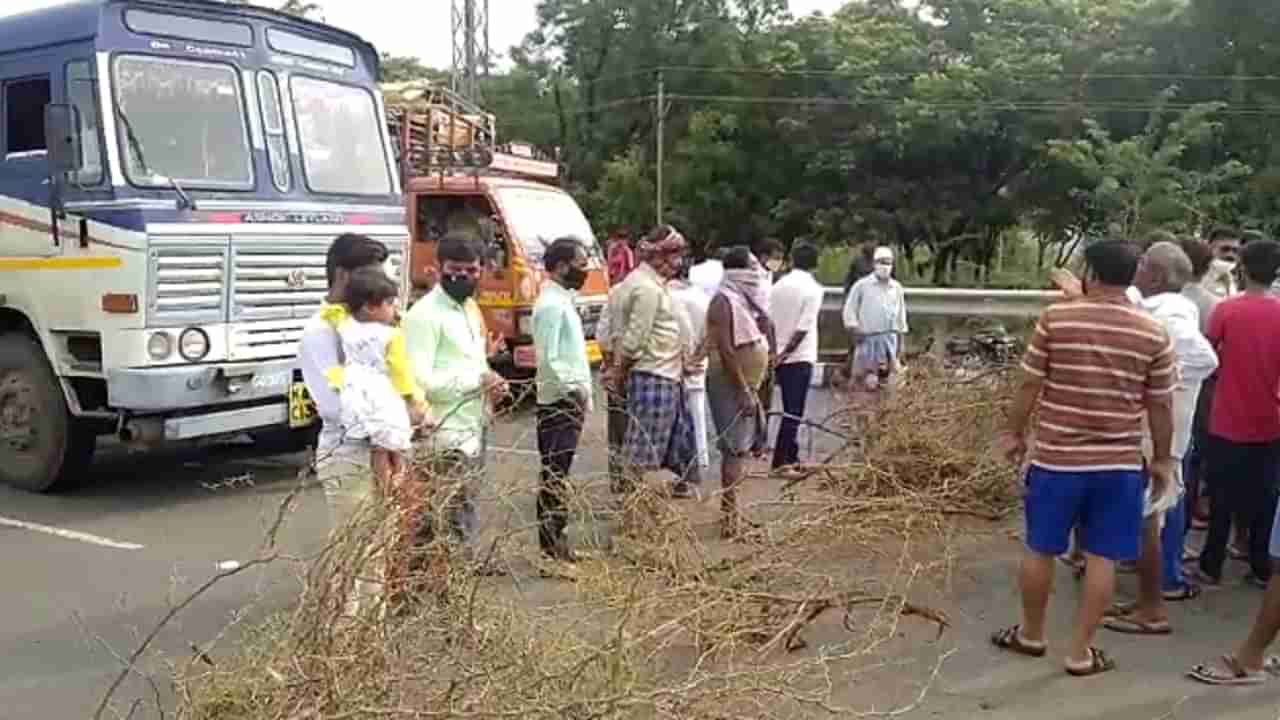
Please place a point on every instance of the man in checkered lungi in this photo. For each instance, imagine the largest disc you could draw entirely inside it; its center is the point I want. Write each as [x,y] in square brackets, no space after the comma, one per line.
[649,359]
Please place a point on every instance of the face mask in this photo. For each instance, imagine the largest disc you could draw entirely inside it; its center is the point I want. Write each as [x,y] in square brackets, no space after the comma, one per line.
[1223,267]
[774,265]
[459,287]
[884,271]
[574,278]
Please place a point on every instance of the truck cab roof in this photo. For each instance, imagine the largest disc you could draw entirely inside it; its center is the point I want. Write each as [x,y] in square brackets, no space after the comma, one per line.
[82,20]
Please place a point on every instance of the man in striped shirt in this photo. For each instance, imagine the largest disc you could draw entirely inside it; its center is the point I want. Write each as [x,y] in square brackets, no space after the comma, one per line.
[1095,366]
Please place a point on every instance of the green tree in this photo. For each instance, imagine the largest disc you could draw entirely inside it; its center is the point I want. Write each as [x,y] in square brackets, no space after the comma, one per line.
[1145,182]
[401,68]
[625,194]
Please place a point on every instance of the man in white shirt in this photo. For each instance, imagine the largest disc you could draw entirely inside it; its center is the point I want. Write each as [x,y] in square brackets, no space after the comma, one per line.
[875,314]
[794,305]
[707,276]
[693,302]
[342,464]
[1225,244]
[1163,272]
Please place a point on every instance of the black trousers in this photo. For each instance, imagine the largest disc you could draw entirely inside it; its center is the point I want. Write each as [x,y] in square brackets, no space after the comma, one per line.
[617,434]
[794,380]
[559,430]
[1242,484]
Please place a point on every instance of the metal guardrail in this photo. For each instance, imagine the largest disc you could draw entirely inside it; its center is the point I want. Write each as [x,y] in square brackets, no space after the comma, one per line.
[962,302]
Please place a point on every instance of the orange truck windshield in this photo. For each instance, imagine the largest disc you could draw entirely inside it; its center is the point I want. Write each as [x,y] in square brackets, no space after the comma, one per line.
[539,217]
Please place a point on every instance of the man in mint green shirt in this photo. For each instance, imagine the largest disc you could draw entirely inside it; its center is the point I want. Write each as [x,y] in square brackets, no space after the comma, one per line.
[448,349]
[564,387]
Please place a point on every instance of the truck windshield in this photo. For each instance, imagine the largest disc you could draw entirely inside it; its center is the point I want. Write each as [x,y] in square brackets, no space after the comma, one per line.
[182,121]
[539,217]
[342,148]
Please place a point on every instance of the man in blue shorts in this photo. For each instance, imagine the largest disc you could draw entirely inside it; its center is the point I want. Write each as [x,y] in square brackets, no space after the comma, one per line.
[1095,366]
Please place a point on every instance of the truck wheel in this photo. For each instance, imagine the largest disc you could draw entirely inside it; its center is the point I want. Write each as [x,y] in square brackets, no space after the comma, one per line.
[41,446]
[285,441]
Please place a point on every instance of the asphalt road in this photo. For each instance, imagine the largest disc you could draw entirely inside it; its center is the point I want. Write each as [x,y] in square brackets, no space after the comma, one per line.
[153,528]
[91,571]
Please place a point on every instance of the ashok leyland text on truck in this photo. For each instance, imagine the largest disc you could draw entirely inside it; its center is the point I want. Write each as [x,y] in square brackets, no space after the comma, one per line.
[173,174]
[457,180]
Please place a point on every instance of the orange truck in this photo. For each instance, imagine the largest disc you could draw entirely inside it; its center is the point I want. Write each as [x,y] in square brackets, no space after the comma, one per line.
[457,179]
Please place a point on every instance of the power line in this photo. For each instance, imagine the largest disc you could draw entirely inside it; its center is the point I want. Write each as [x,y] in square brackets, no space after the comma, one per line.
[1143,106]
[908,75]
[969,105]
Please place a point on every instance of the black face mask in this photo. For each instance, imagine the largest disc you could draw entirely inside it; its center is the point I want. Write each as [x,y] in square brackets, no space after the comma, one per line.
[459,287]
[574,278]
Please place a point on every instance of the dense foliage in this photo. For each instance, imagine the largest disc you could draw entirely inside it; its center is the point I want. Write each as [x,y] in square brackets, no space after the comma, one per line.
[967,132]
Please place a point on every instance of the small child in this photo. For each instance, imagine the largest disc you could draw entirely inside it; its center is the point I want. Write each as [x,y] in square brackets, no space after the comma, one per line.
[381,399]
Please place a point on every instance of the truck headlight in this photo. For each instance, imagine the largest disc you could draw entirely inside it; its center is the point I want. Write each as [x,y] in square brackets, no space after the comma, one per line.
[160,346]
[193,344]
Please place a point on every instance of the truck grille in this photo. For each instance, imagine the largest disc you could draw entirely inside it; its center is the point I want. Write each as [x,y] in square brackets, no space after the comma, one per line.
[186,284]
[265,339]
[279,281]
[282,281]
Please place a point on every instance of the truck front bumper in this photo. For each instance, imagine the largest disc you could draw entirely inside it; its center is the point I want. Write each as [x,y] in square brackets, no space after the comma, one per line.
[202,400]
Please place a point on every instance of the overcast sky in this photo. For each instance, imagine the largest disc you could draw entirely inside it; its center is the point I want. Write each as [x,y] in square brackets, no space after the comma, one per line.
[408,27]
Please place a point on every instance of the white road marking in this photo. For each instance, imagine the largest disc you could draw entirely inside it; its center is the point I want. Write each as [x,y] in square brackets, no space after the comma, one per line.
[68,534]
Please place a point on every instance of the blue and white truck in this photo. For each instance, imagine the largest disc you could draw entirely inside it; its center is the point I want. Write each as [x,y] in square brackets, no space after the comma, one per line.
[171,175]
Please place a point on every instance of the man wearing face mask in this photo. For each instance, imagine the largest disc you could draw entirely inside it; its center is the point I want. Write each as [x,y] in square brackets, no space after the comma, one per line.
[449,350]
[1220,280]
[875,313]
[648,366]
[564,388]
[770,254]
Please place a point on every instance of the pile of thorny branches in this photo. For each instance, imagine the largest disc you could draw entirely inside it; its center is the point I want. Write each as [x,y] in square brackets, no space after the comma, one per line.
[664,620]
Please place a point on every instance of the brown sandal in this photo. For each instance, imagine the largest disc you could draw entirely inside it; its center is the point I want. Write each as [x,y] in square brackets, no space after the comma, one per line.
[1010,639]
[1230,673]
[1098,663]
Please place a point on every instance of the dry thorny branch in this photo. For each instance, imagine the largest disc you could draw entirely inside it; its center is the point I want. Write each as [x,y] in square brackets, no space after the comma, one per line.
[662,621]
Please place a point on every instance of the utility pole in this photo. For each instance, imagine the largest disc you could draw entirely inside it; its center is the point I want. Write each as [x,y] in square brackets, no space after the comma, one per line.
[661,107]
[470,46]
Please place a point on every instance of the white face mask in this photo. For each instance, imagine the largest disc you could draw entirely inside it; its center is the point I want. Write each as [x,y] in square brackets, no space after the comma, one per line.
[884,271]
[1223,267]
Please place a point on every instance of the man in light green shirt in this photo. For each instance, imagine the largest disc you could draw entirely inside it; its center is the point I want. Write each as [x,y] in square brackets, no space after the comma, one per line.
[448,349]
[564,388]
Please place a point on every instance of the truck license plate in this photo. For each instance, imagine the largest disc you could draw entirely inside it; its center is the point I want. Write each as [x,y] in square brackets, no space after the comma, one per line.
[302,409]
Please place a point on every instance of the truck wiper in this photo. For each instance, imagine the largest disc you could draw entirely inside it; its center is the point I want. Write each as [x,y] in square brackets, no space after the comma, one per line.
[135,145]
[184,200]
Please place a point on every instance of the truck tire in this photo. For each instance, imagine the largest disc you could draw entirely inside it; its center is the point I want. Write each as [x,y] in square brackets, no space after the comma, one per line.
[42,447]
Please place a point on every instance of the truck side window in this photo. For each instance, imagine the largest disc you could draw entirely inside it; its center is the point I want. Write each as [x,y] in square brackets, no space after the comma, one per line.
[82,92]
[471,216]
[24,102]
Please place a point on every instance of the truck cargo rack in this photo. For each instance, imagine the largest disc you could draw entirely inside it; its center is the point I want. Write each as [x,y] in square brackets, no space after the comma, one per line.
[436,131]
